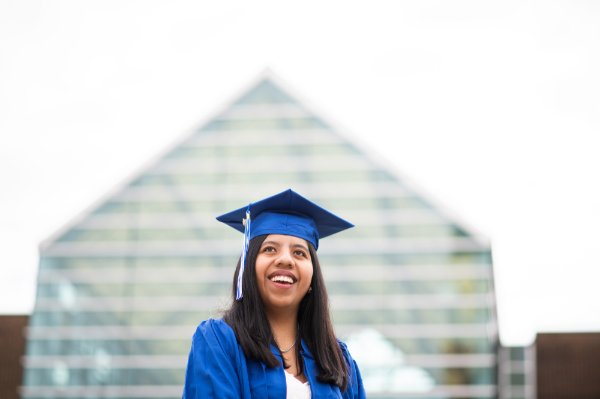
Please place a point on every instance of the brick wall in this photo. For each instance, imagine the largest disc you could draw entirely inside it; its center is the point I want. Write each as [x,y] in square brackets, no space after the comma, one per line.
[12,347]
[568,365]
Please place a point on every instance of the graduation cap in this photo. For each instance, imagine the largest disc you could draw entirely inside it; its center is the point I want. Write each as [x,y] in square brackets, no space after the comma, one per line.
[286,213]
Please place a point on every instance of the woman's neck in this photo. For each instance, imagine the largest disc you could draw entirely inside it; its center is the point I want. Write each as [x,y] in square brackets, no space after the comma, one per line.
[284,327]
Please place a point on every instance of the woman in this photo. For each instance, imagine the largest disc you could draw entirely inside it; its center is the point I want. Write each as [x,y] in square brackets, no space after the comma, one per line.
[276,340]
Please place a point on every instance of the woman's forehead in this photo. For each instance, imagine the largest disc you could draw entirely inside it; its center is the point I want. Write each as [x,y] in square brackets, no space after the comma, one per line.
[286,239]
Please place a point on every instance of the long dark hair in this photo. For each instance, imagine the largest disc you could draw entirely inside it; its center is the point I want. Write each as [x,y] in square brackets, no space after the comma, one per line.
[248,320]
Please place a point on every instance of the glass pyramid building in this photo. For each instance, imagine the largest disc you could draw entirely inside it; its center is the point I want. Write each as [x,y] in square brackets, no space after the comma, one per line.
[121,289]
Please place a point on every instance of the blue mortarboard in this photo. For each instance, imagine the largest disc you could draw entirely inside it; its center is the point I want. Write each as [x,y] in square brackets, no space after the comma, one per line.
[286,213]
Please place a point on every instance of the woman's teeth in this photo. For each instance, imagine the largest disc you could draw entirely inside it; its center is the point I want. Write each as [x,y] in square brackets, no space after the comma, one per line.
[282,279]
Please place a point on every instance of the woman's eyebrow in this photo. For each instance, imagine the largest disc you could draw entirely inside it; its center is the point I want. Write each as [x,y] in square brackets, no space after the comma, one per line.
[278,244]
[300,246]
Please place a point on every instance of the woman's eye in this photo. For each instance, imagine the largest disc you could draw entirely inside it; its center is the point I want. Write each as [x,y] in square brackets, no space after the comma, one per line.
[301,253]
[268,249]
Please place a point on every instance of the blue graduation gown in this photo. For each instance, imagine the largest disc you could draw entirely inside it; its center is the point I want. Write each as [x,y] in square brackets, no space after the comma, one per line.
[218,368]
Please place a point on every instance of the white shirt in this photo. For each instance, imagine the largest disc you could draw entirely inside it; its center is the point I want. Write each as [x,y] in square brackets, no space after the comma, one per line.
[295,388]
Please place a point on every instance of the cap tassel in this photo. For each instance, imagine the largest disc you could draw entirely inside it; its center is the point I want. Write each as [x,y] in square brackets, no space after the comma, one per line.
[246,222]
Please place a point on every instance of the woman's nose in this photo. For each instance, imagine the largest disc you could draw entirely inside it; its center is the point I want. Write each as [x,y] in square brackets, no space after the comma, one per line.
[285,259]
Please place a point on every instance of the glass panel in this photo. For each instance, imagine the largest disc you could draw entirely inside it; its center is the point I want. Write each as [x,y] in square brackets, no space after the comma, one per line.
[114,347]
[444,258]
[444,345]
[95,263]
[119,317]
[406,287]
[463,376]
[271,124]
[82,290]
[265,93]
[410,316]
[261,150]
[103,374]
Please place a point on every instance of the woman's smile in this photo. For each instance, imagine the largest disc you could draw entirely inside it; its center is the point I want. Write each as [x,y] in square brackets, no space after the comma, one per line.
[283,278]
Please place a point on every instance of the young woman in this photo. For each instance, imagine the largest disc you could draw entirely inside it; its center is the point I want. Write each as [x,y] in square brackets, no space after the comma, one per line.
[276,340]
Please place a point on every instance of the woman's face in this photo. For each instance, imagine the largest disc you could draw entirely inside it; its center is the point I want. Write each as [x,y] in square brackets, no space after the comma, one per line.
[283,272]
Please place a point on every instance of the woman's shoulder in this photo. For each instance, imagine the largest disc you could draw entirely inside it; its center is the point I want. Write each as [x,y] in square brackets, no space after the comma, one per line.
[216,330]
[344,349]
[214,324]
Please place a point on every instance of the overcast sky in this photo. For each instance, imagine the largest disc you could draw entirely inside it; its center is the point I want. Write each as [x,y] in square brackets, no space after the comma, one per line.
[491,109]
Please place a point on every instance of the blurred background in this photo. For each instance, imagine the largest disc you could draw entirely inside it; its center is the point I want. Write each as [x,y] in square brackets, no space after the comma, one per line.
[460,137]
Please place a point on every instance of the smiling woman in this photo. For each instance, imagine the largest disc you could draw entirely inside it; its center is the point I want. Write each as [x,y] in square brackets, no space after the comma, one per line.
[277,339]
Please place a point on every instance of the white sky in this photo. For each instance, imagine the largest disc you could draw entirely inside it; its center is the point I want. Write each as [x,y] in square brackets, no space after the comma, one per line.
[492,108]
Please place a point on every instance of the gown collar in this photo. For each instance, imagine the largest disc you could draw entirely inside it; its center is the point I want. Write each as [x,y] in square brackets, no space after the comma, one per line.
[318,389]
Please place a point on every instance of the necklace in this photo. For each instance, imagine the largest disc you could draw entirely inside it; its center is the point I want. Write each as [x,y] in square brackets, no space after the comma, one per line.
[288,349]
